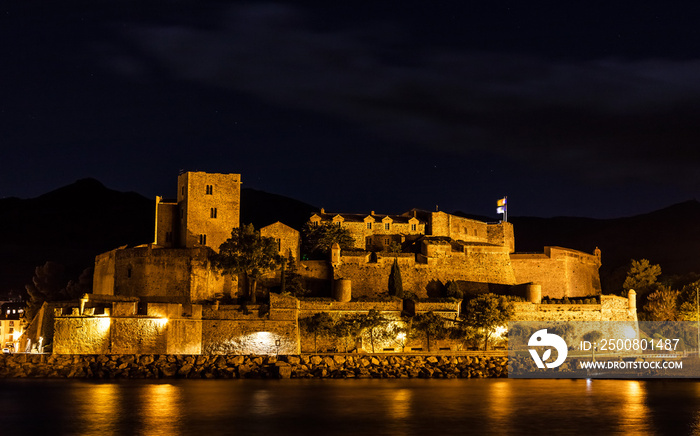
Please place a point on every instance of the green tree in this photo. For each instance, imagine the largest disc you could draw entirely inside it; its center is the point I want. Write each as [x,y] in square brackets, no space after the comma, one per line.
[49,284]
[395,282]
[641,276]
[317,240]
[488,312]
[565,330]
[320,324]
[374,324]
[76,289]
[518,335]
[294,282]
[431,325]
[46,285]
[394,248]
[348,327]
[593,336]
[662,305]
[453,290]
[689,305]
[247,253]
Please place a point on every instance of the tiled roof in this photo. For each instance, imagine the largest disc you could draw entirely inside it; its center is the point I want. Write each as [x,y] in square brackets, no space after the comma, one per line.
[360,217]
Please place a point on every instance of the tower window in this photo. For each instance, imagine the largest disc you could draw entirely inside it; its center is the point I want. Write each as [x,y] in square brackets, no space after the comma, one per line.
[128,272]
[212,212]
[202,239]
[210,189]
[182,191]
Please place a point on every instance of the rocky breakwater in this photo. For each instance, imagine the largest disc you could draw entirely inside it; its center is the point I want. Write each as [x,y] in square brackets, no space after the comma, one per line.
[220,366]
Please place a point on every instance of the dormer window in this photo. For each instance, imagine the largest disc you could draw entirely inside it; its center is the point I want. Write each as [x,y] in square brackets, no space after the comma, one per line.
[413,227]
[387,226]
[369,226]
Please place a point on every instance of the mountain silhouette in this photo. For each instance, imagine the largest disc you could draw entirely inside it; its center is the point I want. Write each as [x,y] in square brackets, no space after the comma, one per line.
[72,224]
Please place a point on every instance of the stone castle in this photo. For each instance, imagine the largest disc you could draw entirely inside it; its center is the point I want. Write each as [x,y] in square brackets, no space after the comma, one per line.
[165,297]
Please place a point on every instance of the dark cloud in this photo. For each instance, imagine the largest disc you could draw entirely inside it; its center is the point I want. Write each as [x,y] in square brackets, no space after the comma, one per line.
[605,120]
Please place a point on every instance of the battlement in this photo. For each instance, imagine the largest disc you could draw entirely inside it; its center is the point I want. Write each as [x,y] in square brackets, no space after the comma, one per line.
[558,253]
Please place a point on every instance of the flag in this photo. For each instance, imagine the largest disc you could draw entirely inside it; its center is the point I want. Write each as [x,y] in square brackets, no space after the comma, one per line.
[501,209]
[502,202]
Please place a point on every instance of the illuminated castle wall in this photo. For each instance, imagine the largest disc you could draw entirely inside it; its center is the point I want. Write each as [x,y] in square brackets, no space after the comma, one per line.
[165,297]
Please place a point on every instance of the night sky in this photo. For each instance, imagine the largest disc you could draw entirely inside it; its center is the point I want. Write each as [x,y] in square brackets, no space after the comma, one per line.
[590,110]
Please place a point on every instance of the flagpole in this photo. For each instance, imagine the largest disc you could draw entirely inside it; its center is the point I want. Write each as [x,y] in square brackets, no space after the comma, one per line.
[506,209]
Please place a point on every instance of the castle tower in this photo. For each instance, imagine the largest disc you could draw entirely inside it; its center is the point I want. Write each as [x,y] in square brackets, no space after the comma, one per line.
[209,207]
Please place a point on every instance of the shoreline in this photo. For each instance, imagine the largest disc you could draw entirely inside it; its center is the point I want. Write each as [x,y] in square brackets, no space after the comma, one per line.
[319,365]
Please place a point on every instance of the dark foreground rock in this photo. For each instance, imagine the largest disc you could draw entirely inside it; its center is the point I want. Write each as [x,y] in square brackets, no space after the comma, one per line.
[156,366]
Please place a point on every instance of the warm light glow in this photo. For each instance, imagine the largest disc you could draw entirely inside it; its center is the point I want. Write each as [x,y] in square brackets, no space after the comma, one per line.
[401,336]
[400,404]
[103,324]
[100,402]
[500,400]
[162,402]
[262,336]
[260,404]
[161,322]
[260,343]
[501,330]
[634,406]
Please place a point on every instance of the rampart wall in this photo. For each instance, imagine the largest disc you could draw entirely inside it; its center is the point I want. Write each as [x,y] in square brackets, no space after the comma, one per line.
[457,228]
[152,272]
[474,268]
[562,272]
[611,308]
[123,330]
[232,329]
[318,275]
[143,328]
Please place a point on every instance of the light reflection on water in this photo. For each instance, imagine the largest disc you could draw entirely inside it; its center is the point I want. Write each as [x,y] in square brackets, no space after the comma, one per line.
[350,407]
